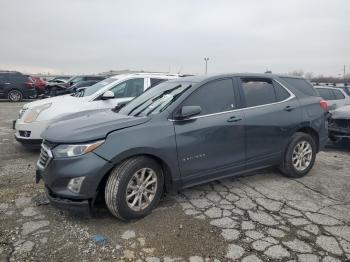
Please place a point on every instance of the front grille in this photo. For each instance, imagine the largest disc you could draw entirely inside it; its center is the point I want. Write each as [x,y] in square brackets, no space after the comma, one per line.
[45,156]
[345,123]
[342,123]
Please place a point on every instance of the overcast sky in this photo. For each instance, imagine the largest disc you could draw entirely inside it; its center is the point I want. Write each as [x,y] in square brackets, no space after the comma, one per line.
[85,36]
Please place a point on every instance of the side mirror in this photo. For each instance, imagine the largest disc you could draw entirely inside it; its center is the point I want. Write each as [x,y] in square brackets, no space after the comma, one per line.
[188,111]
[107,95]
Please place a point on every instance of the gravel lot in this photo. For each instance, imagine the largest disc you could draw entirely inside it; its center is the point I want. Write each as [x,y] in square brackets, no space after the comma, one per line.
[265,217]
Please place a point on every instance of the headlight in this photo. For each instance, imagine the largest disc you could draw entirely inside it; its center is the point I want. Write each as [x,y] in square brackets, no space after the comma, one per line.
[75,150]
[21,112]
[34,112]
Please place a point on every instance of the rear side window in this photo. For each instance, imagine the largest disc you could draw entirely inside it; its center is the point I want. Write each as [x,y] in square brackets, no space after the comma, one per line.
[214,97]
[302,85]
[258,91]
[338,95]
[326,93]
[3,79]
[281,92]
[18,78]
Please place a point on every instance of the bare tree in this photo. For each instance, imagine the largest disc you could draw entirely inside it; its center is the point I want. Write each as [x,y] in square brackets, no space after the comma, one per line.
[309,75]
[298,72]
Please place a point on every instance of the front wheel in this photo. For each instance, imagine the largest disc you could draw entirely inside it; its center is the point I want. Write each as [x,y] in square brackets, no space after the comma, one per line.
[134,188]
[300,155]
[14,96]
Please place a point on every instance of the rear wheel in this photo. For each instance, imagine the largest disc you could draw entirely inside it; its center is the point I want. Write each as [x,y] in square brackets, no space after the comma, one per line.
[300,155]
[14,95]
[134,188]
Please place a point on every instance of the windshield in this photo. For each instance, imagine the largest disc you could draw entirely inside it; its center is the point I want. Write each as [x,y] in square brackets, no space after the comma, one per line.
[94,88]
[156,99]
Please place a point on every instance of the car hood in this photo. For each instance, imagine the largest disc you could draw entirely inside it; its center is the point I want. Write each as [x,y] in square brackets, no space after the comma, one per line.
[88,126]
[49,100]
[341,113]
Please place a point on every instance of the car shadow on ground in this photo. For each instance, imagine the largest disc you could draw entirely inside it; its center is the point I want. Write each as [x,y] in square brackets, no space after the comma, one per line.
[342,146]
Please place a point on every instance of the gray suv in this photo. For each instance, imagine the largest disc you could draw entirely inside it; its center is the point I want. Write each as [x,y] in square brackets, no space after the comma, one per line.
[182,133]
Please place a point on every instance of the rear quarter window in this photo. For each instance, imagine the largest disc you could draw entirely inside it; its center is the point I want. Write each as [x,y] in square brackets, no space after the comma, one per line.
[338,95]
[326,93]
[301,85]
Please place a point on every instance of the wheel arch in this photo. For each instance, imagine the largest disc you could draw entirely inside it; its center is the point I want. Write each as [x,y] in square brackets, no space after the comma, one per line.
[313,133]
[170,184]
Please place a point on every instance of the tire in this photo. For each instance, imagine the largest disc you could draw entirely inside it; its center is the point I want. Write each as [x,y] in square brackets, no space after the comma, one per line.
[117,188]
[15,95]
[295,165]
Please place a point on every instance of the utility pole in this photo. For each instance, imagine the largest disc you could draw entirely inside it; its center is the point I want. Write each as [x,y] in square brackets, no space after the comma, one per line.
[206,59]
[344,74]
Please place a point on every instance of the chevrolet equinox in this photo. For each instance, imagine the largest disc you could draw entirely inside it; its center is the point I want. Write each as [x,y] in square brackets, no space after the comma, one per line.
[181,133]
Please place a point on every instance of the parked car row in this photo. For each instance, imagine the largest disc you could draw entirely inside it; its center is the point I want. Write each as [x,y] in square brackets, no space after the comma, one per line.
[339,124]
[129,138]
[71,85]
[335,97]
[36,116]
[16,86]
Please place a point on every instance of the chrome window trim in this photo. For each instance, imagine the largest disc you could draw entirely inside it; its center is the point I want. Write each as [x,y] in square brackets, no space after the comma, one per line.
[291,96]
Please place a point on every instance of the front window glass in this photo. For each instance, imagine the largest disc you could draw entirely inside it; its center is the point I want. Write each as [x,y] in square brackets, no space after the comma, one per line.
[156,99]
[96,87]
[75,79]
[214,97]
[129,88]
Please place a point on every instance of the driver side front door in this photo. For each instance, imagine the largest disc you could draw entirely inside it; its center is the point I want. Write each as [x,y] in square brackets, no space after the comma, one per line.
[212,144]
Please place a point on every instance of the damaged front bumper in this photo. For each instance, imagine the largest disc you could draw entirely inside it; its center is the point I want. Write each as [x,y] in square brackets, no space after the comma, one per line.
[339,128]
[61,202]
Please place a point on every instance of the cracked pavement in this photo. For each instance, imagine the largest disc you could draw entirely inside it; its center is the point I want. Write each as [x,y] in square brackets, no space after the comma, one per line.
[259,217]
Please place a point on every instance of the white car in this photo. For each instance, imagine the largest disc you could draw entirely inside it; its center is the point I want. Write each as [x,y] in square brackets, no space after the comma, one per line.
[34,117]
[335,97]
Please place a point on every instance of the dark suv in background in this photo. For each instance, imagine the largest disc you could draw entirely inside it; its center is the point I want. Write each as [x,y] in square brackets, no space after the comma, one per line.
[15,86]
[182,133]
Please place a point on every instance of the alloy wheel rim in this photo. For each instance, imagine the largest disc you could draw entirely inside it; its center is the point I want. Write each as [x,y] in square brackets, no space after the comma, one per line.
[302,155]
[141,189]
[14,96]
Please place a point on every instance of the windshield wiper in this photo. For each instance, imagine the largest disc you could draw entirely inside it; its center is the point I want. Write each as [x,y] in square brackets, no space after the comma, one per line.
[168,102]
[117,108]
[152,100]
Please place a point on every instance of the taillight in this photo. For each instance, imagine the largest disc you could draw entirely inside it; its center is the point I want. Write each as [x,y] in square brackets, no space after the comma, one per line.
[324,105]
[30,83]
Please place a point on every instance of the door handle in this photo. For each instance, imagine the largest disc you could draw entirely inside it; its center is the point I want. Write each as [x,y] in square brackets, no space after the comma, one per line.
[7,83]
[289,108]
[234,119]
